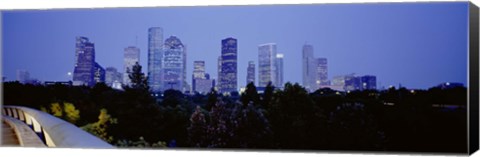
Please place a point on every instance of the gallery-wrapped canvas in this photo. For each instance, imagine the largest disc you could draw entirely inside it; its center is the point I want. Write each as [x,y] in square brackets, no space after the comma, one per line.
[363,77]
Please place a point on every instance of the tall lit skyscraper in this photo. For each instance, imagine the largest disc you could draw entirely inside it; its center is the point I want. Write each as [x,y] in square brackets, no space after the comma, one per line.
[267,64]
[201,81]
[198,72]
[308,68]
[251,72]
[279,67]
[219,72]
[84,70]
[172,64]
[228,74]
[131,56]
[23,76]
[79,46]
[199,69]
[321,71]
[186,86]
[155,44]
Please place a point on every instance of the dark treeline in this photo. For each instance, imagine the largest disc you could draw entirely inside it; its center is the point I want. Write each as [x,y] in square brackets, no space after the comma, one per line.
[292,118]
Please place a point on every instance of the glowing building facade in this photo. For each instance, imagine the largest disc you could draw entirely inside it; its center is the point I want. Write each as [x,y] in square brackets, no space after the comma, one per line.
[228,68]
[155,44]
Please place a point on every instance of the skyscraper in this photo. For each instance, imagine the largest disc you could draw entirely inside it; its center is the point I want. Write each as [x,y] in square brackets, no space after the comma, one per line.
[308,69]
[84,69]
[131,56]
[369,82]
[321,71]
[155,44]
[267,64]
[219,72]
[172,64]
[198,72]
[250,72]
[23,76]
[203,86]
[352,83]
[79,46]
[112,76]
[279,67]
[186,86]
[99,73]
[228,74]
[201,81]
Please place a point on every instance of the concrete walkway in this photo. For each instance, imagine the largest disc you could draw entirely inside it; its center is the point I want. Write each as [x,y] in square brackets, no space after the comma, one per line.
[17,133]
[9,138]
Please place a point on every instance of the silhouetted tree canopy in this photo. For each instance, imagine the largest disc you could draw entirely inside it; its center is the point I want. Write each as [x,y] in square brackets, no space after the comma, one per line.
[290,118]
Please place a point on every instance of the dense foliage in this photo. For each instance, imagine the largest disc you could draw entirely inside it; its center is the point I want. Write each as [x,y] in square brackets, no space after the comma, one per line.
[291,118]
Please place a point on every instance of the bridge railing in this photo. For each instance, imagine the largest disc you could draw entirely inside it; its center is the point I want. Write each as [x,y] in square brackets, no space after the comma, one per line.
[53,131]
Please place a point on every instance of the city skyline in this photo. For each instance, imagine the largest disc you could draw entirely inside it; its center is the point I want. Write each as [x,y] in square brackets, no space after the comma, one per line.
[397,47]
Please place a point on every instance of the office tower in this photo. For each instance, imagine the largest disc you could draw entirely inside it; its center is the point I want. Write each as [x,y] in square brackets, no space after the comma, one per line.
[338,81]
[201,81]
[345,82]
[321,77]
[267,64]
[155,44]
[228,74]
[250,72]
[279,80]
[198,72]
[219,72]
[112,76]
[99,73]
[308,68]
[368,82]
[172,64]
[79,46]
[186,86]
[23,76]
[352,83]
[84,70]
[131,56]
[199,69]
[203,86]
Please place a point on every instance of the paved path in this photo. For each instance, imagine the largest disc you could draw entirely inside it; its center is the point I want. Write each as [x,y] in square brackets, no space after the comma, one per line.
[8,136]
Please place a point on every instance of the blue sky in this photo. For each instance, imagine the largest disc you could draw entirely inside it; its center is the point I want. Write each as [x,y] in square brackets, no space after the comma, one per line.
[416,44]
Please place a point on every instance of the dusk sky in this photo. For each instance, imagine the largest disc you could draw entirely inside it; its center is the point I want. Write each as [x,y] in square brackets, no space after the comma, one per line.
[419,45]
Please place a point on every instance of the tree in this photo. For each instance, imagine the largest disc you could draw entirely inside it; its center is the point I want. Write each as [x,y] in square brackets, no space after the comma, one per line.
[250,95]
[172,98]
[249,126]
[71,114]
[173,124]
[99,128]
[294,118]
[137,77]
[212,99]
[67,112]
[197,129]
[141,143]
[218,132]
[267,95]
